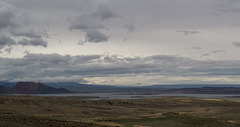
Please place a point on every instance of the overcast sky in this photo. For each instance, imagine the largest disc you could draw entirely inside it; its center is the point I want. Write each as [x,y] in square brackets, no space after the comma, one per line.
[120,42]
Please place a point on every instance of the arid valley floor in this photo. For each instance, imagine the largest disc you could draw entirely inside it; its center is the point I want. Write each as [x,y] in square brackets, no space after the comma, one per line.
[29,111]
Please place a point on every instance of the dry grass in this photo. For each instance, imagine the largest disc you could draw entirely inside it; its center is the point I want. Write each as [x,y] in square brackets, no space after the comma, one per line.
[104,112]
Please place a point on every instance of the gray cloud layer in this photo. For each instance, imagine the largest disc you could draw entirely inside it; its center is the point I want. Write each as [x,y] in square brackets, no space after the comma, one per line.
[15,31]
[93,22]
[104,12]
[4,40]
[229,5]
[95,36]
[159,23]
[7,16]
[41,66]
[188,32]
[236,44]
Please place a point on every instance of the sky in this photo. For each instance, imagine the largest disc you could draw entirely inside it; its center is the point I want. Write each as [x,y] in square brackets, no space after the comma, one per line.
[120,42]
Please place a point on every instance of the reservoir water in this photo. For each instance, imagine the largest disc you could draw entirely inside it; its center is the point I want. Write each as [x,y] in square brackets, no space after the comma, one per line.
[107,96]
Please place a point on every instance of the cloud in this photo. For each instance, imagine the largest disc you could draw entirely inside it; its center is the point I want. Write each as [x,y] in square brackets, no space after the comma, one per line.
[188,32]
[30,37]
[228,6]
[55,66]
[94,20]
[95,36]
[196,48]
[236,44]
[7,16]
[206,54]
[131,28]
[25,33]
[33,42]
[86,22]
[6,41]
[15,31]
[93,23]
[218,51]
[26,52]
[103,12]
[8,50]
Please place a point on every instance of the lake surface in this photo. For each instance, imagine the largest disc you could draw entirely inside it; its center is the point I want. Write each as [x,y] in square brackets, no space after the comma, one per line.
[109,96]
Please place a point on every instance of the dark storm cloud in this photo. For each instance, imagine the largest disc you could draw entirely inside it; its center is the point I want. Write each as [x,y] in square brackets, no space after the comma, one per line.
[95,36]
[53,65]
[236,44]
[188,32]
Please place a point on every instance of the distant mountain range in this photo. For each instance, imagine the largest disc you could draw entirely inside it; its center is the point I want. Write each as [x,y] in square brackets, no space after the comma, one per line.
[32,88]
[60,88]
[205,90]
[4,90]
[84,88]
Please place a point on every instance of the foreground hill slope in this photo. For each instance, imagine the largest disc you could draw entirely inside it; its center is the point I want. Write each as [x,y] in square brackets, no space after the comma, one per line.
[36,111]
